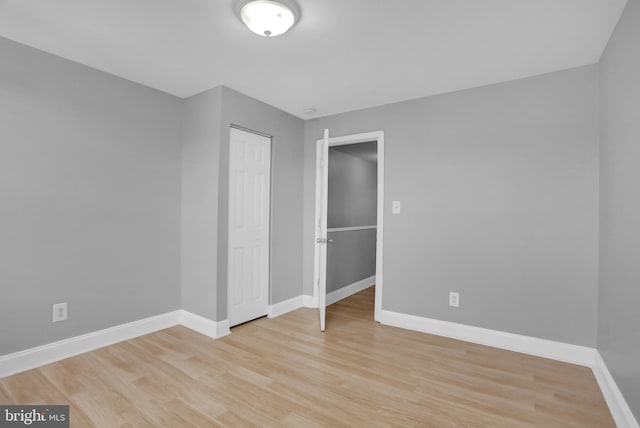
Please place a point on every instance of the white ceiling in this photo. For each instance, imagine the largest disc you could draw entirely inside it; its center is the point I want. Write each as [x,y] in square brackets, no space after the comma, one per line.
[343,54]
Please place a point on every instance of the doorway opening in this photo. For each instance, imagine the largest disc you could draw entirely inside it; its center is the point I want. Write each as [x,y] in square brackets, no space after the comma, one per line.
[353,210]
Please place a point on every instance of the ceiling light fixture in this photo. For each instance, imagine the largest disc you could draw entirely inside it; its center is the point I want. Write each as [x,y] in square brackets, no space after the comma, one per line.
[268,18]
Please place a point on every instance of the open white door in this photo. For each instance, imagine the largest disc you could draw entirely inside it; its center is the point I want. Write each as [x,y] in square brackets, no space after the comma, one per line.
[321,227]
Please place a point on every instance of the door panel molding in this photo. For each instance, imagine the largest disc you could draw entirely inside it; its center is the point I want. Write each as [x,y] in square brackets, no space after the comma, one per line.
[249,222]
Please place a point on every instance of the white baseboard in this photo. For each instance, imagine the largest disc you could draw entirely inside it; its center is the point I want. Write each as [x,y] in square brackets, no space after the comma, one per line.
[309,301]
[618,406]
[212,329]
[574,354]
[344,292]
[581,355]
[351,289]
[35,357]
[282,308]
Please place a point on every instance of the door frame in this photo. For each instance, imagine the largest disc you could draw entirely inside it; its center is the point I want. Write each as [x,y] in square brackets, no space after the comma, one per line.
[378,137]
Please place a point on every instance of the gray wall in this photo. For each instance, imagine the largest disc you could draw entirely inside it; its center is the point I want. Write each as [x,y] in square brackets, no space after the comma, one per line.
[351,257]
[619,316]
[205,196]
[100,198]
[352,201]
[499,190]
[286,192]
[352,190]
[89,199]
[200,170]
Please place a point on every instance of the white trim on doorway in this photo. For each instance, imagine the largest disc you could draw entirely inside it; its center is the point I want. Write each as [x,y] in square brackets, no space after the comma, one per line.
[378,137]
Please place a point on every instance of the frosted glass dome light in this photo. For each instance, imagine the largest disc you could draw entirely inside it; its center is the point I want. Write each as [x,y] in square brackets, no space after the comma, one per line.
[268,18]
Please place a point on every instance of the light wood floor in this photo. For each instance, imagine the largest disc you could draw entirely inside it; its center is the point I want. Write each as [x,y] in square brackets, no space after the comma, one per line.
[284,372]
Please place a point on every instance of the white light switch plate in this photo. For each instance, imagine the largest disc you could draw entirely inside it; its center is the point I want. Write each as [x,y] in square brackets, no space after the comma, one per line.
[395,207]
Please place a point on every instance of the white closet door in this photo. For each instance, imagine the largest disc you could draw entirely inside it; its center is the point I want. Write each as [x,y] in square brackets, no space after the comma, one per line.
[249,201]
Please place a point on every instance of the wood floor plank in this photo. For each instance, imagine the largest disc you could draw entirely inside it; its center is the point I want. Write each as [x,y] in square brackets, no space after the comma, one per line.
[4,395]
[285,372]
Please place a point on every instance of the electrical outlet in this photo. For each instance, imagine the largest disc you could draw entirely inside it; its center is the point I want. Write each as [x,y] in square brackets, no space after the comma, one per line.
[59,312]
[454,299]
